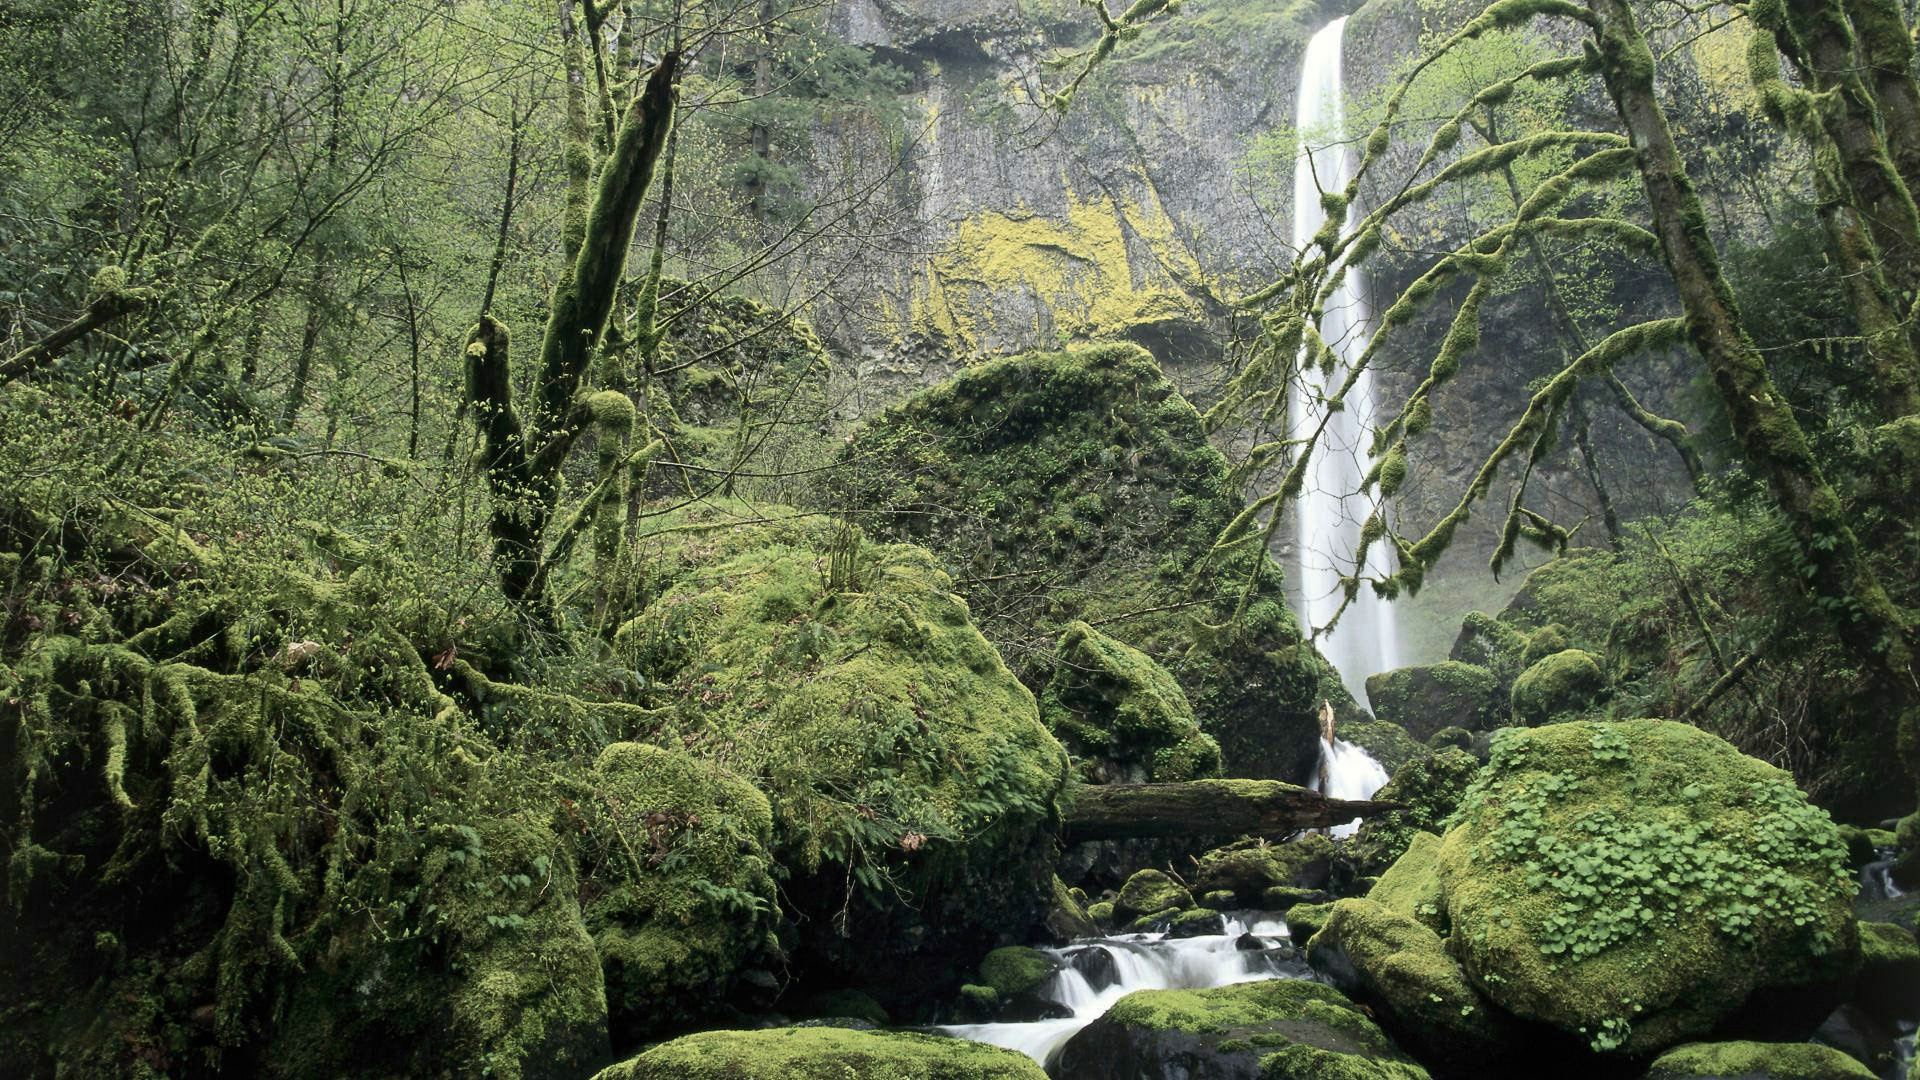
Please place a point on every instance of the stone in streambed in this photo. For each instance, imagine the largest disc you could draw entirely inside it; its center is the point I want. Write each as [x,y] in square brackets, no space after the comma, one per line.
[1283,1029]
[823,1053]
[1756,1061]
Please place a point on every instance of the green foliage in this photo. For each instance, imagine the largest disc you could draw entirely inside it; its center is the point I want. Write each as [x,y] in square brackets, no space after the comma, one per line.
[1430,787]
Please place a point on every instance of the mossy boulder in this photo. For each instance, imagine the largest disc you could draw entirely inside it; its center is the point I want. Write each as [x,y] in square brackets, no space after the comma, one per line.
[1087,471]
[1559,686]
[1248,868]
[1756,1061]
[1485,641]
[1889,972]
[1411,886]
[1282,1029]
[1456,738]
[1542,643]
[823,1053]
[1148,892]
[1430,787]
[911,782]
[1123,716]
[1013,970]
[846,1004]
[1402,969]
[684,898]
[1633,883]
[1385,742]
[1068,917]
[1305,920]
[1425,699]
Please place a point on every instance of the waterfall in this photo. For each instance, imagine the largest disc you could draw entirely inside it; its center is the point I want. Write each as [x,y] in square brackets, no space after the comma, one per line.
[1330,510]
[1093,974]
[1351,774]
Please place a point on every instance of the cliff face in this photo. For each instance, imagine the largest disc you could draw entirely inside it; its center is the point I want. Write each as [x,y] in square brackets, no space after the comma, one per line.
[1165,189]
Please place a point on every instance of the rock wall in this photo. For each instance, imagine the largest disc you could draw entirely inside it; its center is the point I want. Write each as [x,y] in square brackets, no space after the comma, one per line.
[1134,215]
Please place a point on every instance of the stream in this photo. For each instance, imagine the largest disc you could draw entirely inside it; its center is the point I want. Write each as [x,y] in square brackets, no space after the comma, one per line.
[1096,972]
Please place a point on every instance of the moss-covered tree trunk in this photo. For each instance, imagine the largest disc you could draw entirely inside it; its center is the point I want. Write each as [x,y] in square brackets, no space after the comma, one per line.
[1835,564]
[523,457]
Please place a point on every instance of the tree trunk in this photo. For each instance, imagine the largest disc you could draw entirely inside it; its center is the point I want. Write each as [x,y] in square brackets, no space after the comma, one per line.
[1205,808]
[1864,616]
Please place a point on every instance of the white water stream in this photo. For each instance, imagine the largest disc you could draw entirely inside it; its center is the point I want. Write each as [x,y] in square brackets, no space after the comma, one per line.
[1351,774]
[1088,985]
[1331,510]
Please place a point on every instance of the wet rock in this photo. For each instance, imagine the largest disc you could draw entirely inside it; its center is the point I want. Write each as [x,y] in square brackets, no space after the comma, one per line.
[1889,972]
[1855,1032]
[1197,922]
[1095,963]
[1249,868]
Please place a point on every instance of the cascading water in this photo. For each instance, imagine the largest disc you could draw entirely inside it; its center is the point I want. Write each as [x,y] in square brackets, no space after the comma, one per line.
[1093,974]
[1331,510]
[1351,773]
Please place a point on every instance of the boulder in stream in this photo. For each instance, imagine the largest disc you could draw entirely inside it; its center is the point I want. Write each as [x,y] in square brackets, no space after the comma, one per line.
[1280,1029]
[823,1053]
[1149,892]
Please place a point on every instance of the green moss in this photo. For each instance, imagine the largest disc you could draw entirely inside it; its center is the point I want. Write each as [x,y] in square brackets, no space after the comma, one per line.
[1305,920]
[1250,867]
[1101,912]
[1089,468]
[1219,898]
[685,898]
[1887,945]
[1557,687]
[1430,788]
[1148,892]
[857,1004]
[1542,643]
[1633,882]
[1123,715]
[823,1054]
[905,765]
[1756,1061]
[1387,743]
[1411,886]
[1423,700]
[1068,918]
[1223,1008]
[1015,969]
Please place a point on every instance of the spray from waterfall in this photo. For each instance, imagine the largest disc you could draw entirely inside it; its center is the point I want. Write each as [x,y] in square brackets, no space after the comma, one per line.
[1331,510]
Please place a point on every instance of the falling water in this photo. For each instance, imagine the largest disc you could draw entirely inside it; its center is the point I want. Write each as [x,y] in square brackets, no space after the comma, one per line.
[1093,974]
[1331,510]
[1351,774]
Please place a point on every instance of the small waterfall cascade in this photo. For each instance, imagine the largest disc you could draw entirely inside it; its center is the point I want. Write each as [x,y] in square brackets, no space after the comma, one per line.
[1095,973]
[1345,771]
[1331,511]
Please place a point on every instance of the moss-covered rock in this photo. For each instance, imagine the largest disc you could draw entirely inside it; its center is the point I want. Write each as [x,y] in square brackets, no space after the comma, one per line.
[1123,716]
[684,898]
[1451,738]
[1425,699]
[1488,642]
[1430,787]
[1284,1029]
[1086,469]
[1756,1061]
[1385,742]
[820,1053]
[1411,886]
[1068,917]
[1013,970]
[1248,868]
[1149,892]
[1889,972]
[1305,920]
[912,784]
[1633,882]
[1542,643]
[1559,686]
[1402,969]
[1101,912]
[846,1004]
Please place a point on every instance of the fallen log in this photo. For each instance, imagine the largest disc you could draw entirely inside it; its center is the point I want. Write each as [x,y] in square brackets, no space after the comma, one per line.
[1206,808]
